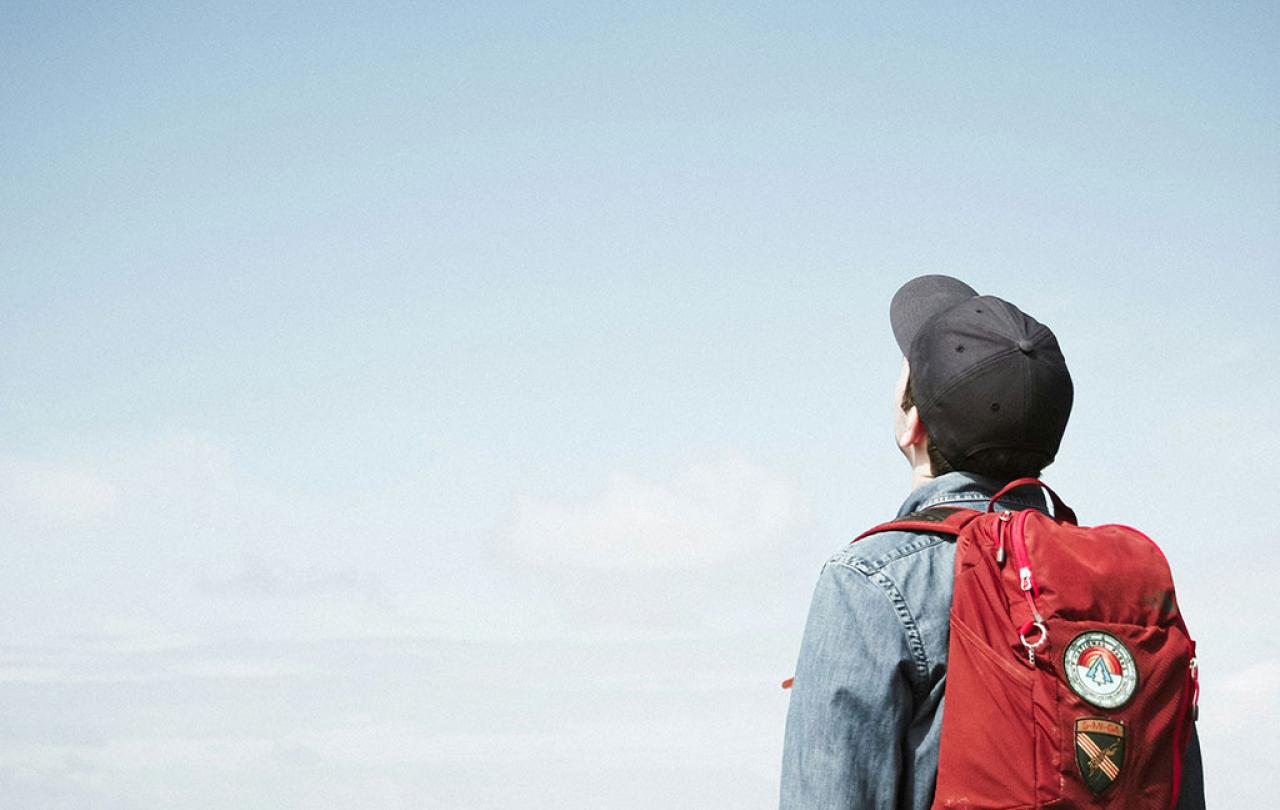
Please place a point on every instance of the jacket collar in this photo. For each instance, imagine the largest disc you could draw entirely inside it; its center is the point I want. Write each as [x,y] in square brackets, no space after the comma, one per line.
[969,490]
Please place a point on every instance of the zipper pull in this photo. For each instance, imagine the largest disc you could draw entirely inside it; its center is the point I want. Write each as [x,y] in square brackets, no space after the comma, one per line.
[1000,530]
[1195,694]
[1024,578]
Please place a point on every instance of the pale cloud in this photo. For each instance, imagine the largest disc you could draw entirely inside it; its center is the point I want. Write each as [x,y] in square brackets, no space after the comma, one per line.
[252,577]
[1244,697]
[1260,682]
[55,494]
[178,476]
[712,511]
[173,534]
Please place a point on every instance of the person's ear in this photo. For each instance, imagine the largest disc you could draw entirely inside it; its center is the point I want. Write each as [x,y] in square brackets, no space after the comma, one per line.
[913,432]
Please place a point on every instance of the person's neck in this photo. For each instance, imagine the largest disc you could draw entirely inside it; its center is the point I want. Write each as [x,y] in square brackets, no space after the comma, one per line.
[921,474]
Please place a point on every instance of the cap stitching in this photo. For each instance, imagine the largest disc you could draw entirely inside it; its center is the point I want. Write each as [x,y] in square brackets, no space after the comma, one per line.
[1035,338]
[969,372]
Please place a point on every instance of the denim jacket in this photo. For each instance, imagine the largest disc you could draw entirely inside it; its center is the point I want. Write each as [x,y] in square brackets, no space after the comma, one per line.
[865,718]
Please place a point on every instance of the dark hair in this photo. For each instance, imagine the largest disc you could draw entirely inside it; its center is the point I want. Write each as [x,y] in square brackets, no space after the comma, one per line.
[1000,463]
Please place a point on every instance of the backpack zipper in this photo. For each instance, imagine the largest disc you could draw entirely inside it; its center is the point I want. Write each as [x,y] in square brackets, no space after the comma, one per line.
[1020,556]
[1027,583]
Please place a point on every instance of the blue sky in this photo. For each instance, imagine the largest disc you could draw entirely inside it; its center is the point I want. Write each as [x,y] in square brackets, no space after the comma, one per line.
[334,338]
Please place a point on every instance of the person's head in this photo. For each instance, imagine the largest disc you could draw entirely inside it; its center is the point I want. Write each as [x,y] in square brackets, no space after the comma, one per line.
[984,387]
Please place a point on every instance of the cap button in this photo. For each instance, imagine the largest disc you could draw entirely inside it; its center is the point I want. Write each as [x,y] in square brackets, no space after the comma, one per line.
[1025,346]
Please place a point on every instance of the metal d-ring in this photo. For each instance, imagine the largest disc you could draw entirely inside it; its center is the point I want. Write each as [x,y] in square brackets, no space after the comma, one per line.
[1031,648]
[1044,636]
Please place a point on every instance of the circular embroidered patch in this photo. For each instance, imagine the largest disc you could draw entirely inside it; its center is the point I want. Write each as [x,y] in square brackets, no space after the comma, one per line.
[1100,669]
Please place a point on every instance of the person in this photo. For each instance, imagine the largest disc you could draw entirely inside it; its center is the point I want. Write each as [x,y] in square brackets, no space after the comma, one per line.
[983,398]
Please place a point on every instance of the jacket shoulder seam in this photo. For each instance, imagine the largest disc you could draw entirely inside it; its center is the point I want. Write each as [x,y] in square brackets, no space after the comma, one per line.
[906,620]
[912,543]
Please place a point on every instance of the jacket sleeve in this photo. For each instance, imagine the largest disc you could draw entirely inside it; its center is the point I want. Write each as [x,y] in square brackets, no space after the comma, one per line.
[851,701]
[1191,796]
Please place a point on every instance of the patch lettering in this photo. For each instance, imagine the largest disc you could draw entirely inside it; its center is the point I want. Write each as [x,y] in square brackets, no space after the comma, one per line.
[1099,752]
[1100,669]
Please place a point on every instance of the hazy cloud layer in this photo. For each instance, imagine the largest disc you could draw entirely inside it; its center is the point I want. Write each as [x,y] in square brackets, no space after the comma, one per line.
[707,549]
[53,495]
[713,511]
[397,723]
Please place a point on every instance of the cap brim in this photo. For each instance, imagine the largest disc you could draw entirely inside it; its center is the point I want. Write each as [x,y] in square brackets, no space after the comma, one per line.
[919,300]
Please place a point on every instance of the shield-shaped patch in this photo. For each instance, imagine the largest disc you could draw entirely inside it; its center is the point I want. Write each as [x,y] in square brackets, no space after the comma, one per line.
[1099,751]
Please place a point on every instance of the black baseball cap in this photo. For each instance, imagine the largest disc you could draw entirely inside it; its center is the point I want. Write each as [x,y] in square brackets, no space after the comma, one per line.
[984,374]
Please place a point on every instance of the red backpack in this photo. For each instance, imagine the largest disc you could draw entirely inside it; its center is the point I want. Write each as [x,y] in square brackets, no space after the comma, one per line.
[1071,679]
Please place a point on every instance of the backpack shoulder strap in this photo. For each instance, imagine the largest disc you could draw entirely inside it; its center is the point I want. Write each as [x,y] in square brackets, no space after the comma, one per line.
[947,520]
